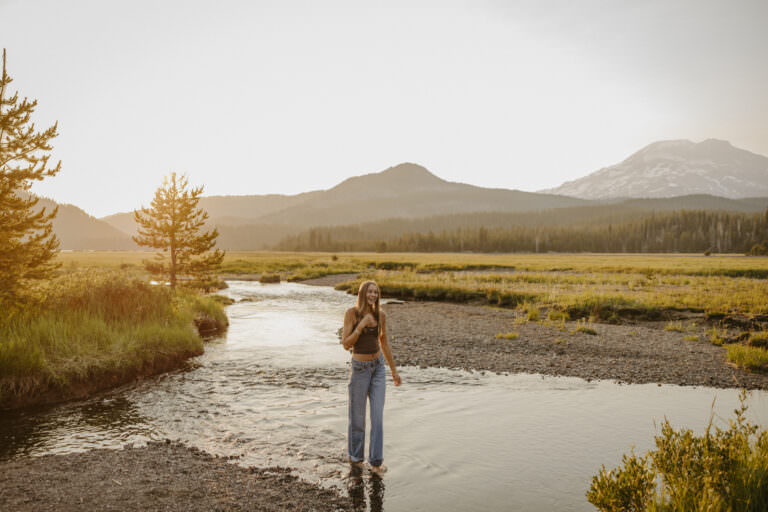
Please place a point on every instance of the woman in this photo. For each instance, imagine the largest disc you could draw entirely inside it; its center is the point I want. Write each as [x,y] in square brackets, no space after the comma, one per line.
[365,334]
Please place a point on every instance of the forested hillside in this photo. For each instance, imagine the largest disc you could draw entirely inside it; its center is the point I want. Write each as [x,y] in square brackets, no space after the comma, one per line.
[676,231]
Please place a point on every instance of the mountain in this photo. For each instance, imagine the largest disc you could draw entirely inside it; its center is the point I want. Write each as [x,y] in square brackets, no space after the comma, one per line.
[76,230]
[406,191]
[676,168]
[403,191]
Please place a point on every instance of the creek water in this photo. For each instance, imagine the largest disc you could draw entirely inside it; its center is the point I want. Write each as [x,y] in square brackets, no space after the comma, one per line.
[273,392]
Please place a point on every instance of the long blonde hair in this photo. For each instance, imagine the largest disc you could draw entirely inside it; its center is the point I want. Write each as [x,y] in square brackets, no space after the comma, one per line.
[362,302]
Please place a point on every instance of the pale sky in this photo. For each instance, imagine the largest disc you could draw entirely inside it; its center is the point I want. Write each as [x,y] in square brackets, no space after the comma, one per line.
[257,97]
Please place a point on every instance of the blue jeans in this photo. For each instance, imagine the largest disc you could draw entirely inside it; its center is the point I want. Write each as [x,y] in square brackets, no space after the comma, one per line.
[367,381]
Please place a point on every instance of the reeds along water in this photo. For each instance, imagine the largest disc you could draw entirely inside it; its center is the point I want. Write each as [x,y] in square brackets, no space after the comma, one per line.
[97,328]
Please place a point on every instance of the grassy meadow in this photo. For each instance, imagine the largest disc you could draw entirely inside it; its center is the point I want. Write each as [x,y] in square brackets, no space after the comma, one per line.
[730,292]
[91,330]
[302,265]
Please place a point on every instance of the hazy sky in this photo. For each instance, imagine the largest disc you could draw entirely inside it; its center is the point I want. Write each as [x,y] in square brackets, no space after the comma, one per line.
[250,97]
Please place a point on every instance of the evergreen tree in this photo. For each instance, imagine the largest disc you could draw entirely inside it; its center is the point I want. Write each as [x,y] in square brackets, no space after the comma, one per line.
[173,224]
[27,242]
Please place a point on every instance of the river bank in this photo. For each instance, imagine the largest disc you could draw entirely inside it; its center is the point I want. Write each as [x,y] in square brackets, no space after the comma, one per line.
[161,476]
[464,336]
[96,331]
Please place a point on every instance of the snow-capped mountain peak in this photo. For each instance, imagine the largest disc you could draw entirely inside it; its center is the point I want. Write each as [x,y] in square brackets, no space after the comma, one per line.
[674,168]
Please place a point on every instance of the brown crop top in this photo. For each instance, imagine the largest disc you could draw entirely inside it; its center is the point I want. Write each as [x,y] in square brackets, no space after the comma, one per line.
[368,341]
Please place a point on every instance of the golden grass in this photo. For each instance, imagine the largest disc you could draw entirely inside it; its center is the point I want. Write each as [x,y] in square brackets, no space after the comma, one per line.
[580,285]
[99,327]
[674,326]
[752,358]
[581,295]
[272,261]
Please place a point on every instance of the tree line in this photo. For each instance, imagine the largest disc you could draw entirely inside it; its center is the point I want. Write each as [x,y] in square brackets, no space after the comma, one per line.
[677,231]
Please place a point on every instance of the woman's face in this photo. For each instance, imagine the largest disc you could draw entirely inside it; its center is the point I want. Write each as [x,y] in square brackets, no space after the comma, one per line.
[372,294]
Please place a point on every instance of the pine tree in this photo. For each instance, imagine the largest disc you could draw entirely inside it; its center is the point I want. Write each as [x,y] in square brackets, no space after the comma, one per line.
[27,243]
[173,224]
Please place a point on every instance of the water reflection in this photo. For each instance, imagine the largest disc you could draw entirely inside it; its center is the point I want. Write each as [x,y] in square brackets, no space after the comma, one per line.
[98,422]
[361,486]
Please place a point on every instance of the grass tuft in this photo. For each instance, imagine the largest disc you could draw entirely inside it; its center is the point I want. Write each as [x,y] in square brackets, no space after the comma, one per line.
[581,326]
[674,326]
[508,335]
[717,336]
[751,358]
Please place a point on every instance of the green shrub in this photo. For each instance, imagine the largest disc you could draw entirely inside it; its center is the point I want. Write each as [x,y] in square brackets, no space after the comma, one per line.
[724,470]
[624,489]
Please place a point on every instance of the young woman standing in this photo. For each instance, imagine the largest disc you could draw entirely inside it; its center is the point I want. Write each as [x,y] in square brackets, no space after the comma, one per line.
[365,334]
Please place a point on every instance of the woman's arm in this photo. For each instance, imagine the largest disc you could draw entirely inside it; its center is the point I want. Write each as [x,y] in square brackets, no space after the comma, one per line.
[349,335]
[384,341]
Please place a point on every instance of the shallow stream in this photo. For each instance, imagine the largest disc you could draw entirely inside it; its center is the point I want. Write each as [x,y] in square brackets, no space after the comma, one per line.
[273,391]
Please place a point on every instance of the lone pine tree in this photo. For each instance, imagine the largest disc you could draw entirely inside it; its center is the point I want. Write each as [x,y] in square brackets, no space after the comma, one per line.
[174,225]
[27,242]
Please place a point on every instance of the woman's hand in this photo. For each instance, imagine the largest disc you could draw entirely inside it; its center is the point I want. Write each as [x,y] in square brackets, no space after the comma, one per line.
[396,379]
[367,321]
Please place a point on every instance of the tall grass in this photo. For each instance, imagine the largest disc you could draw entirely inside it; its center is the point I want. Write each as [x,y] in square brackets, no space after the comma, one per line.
[604,297]
[724,470]
[92,327]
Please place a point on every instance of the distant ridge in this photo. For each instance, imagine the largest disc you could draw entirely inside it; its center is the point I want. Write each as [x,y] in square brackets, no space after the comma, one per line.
[409,197]
[76,230]
[676,168]
[406,190]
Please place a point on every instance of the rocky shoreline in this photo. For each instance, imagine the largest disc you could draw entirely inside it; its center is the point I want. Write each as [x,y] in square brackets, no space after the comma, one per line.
[161,476]
[463,336]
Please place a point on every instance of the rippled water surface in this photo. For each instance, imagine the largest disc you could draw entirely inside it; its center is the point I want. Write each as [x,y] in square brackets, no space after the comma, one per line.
[273,390]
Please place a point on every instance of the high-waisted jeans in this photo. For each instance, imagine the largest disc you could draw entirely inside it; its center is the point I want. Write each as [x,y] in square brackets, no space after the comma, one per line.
[367,381]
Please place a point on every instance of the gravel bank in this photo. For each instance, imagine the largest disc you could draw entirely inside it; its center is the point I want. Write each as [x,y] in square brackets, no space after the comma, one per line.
[463,337]
[161,476]
[330,280]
